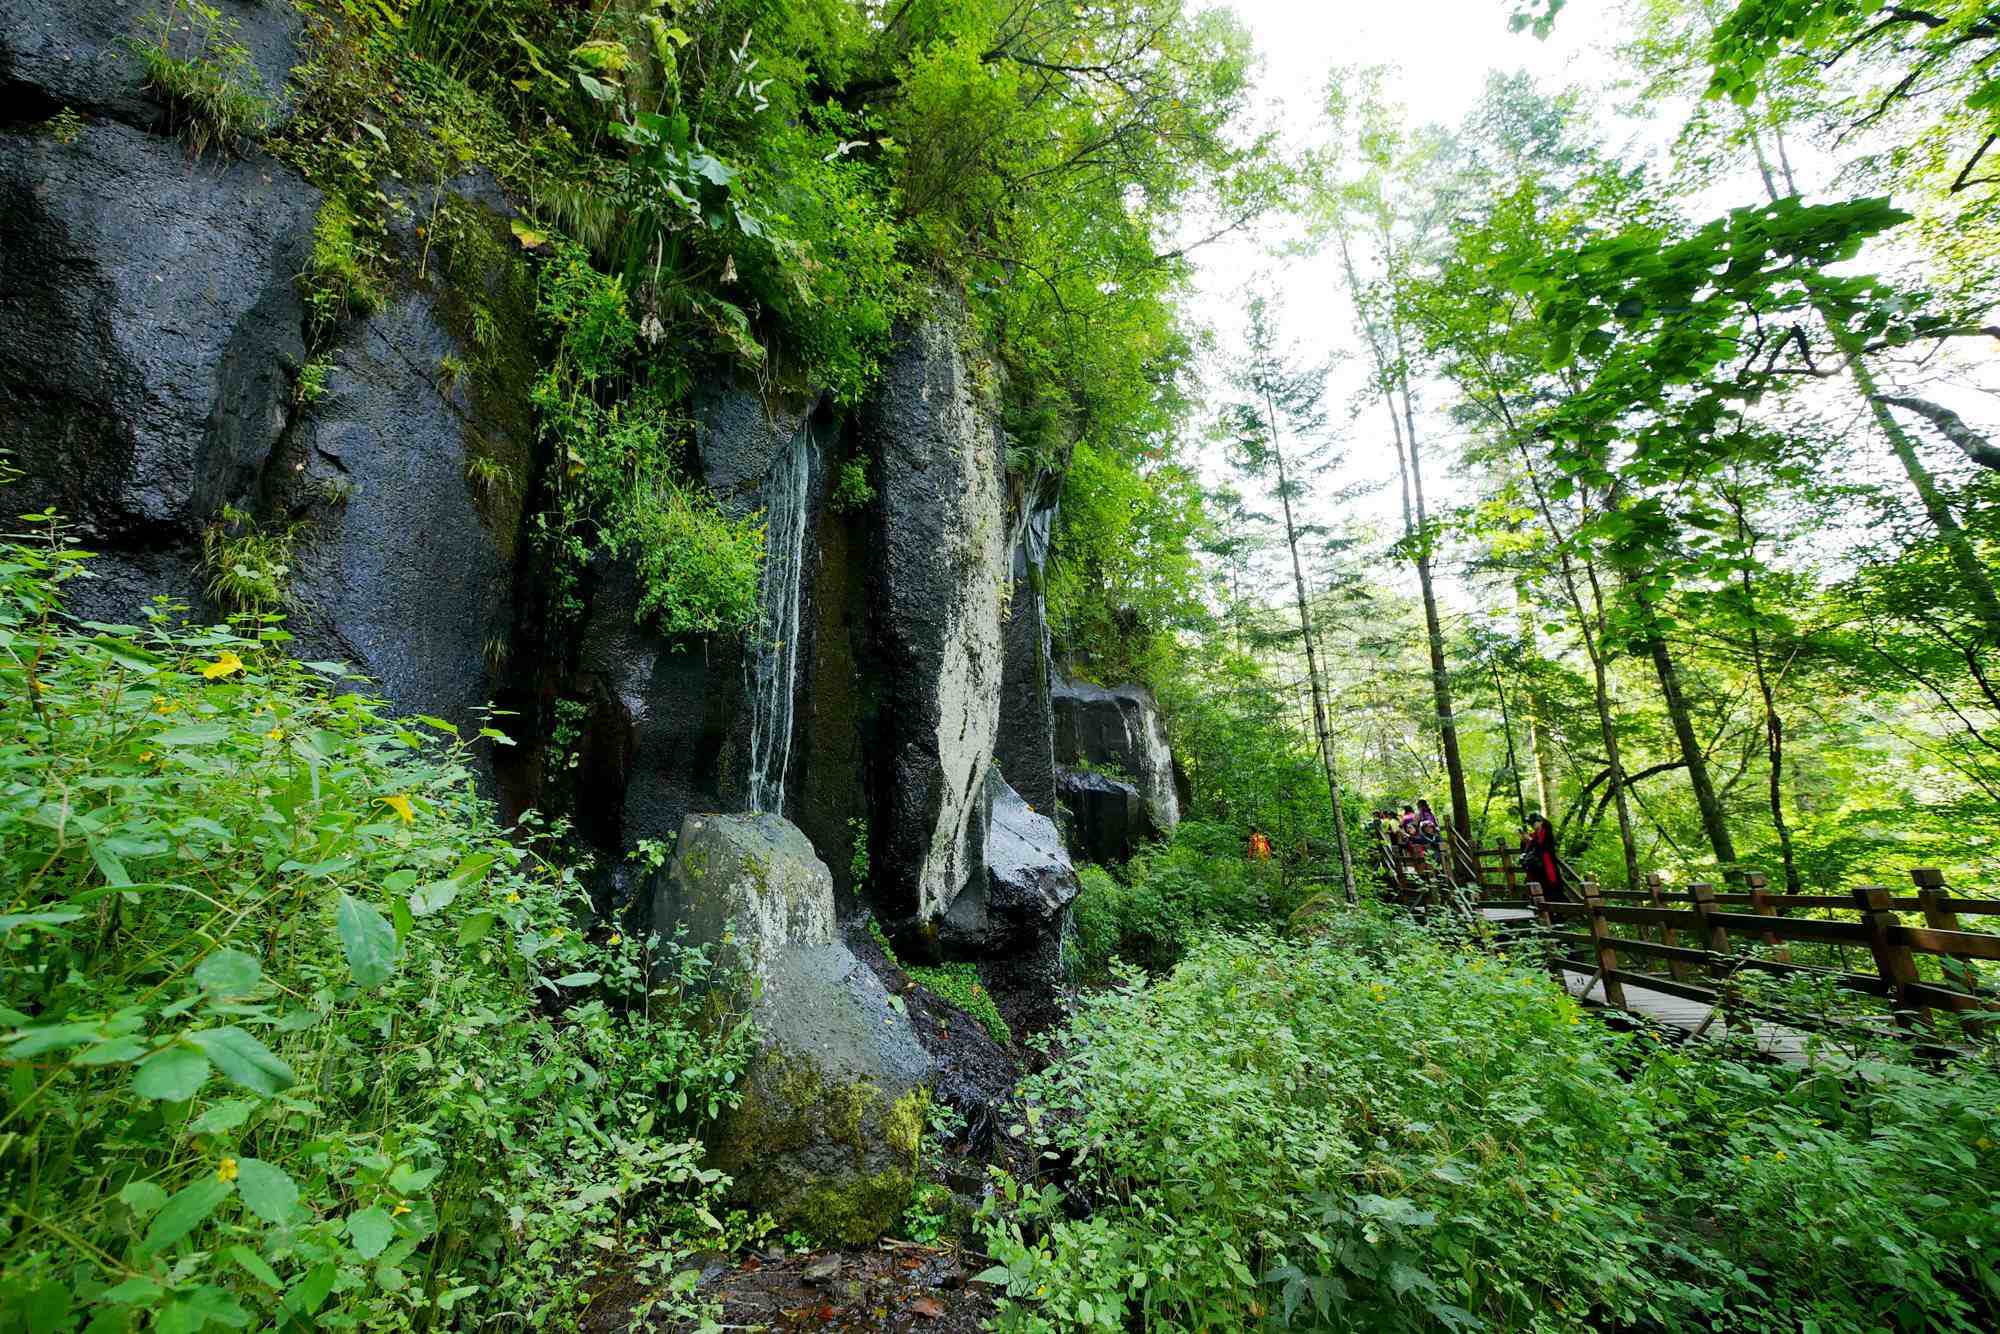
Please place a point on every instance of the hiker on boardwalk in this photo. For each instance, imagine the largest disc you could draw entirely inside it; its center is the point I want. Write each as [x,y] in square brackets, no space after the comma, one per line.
[1427,829]
[1538,855]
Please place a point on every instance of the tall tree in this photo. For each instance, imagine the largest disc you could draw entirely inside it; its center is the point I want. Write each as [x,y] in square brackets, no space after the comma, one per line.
[1284,401]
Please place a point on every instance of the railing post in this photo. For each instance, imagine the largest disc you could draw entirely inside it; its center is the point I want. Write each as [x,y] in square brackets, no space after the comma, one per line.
[1715,939]
[1931,898]
[1893,961]
[1551,952]
[1600,940]
[1669,936]
[1760,903]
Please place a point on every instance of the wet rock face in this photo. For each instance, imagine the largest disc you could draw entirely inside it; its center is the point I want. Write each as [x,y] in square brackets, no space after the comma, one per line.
[1107,817]
[149,330]
[394,570]
[1027,884]
[834,1102]
[1120,728]
[1025,745]
[78,53]
[942,564]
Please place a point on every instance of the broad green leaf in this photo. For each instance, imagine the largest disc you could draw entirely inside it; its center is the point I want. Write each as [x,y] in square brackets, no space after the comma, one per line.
[427,899]
[108,864]
[53,1037]
[372,1229]
[55,917]
[368,941]
[192,734]
[185,1212]
[305,1296]
[475,927]
[115,1052]
[245,1060]
[222,1118]
[267,1192]
[578,979]
[173,1074]
[255,1265]
[229,972]
[142,1197]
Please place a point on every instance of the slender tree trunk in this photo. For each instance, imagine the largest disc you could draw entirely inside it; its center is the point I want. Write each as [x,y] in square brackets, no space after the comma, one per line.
[1416,528]
[1713,822]
[1513,764]
[1536,707]
[1326,754]
[1971,572]
[1774,725]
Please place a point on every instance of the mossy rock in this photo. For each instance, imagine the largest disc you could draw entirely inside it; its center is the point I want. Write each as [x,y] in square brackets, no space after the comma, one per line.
[835,1157]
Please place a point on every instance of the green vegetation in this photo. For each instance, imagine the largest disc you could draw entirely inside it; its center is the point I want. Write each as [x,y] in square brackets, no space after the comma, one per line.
[1394,1132]
[956,984]
[852,492]
[247,565]
[202,74]
[291,1030]
[1150,911]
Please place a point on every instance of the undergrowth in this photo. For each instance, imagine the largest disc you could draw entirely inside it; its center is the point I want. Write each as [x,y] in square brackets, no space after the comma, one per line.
[292,1035]
[203,75]
[1379,1130]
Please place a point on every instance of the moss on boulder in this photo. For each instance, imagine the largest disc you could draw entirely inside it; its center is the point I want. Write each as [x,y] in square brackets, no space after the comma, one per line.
[834,1103]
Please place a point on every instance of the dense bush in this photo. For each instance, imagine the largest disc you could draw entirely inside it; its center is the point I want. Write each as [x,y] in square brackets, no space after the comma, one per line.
[1150,910]
[290,1031]
[1378,1130]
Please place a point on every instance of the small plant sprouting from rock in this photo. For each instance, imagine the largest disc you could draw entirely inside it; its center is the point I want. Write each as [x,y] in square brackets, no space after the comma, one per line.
[311,385]
[64,126]
[852,491]
[208,89]
[340,274]
[857,860]
[247,564]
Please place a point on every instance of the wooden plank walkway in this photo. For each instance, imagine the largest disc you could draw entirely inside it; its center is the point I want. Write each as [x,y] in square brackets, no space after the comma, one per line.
[1689,1016]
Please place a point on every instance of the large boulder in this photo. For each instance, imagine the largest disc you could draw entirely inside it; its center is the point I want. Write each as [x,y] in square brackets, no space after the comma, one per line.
[1119,728]
[933,432]
[80,53]
[1028,881]
[1106,817]
[834,1103]
[150,331]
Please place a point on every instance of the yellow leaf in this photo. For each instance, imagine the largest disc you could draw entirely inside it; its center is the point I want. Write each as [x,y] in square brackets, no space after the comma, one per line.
[526,235]
[400,804]
[226,664]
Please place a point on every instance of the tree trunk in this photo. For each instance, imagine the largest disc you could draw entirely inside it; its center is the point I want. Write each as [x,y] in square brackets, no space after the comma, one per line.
[1326,755]
[1713,822]
[1774,725]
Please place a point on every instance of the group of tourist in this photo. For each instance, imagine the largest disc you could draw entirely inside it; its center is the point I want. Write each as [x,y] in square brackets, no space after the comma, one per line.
[1415,835]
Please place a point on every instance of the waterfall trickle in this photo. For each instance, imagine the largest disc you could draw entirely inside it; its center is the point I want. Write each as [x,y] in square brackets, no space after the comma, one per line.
[773,663]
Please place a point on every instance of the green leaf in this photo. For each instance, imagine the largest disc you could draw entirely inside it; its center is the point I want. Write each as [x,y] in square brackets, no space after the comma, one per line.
[173,1074]
[108,865]
[578,979]
[368,941]
[142,1197]
[229,973]
[427,899]
[192,734]
[267,1192]
[371,1230]
[57,917]
[254,1265]
[245,1060]
[306,1295]
[475,927]
[185,1212]
[221,1118]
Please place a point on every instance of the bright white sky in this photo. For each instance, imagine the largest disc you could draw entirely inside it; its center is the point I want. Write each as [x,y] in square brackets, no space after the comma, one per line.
[1444,50]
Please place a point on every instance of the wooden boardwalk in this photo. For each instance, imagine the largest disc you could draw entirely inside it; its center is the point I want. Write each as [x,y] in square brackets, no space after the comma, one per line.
[1695,1018]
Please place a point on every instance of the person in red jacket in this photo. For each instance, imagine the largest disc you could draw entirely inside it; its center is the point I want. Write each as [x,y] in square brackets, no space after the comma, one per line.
[1539,855]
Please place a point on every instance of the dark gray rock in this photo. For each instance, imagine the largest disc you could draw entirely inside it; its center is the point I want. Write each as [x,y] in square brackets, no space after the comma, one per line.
[394,569]
[659,714]
[827,1135]
[1028,881]
[932,431]
[738,435]
[149,327]
[78,53]
[1025,745]
[1107,817]
[1119,728]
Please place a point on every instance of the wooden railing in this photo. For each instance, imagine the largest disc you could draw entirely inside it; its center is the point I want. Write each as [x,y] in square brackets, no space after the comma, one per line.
[1695,955]
[1496,873]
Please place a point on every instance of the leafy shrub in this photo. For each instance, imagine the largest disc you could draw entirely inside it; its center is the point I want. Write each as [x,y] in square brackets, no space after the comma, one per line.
[208,89]
[699,567]
[1168,894]
[291,1032]
[958,984]
[852,491]
[340,269]
[1377,1130]
[247,565]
